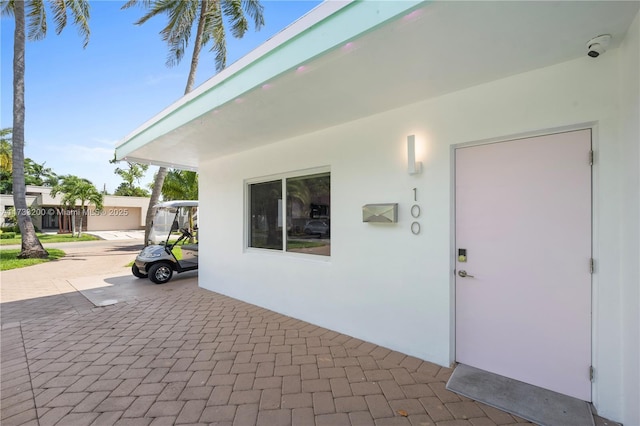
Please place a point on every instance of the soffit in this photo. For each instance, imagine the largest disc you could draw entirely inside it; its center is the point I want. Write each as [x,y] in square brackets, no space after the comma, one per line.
[428,51]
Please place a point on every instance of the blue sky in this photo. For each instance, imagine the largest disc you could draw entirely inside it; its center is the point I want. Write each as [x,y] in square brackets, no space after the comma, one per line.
[81,102]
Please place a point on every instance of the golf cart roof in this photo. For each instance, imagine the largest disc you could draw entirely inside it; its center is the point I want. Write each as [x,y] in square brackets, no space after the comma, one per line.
[178,203]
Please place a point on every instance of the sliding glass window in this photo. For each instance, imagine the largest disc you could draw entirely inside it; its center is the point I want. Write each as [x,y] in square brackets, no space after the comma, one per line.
[307,215]
[266,215]
[308,218]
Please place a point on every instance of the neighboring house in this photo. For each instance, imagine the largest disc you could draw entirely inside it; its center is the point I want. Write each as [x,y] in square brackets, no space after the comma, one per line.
[505,249]
[118,213]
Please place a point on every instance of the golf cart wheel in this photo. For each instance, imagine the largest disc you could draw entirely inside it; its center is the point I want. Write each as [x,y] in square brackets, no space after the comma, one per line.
[136,272]
[160,273]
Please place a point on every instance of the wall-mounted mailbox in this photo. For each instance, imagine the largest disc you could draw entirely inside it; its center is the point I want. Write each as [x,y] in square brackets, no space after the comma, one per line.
[381,213]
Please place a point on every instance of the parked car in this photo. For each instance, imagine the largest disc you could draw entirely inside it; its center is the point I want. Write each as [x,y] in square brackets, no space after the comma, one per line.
[316,227]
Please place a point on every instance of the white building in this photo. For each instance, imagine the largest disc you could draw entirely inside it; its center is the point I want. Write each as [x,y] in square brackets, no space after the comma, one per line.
[118,213]
[504,107]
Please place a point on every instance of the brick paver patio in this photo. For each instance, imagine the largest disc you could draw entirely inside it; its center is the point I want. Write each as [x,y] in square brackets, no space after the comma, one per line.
[192,356]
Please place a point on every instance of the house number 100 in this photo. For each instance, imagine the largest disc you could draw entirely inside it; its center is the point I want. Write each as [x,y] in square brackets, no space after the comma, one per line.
[415,213]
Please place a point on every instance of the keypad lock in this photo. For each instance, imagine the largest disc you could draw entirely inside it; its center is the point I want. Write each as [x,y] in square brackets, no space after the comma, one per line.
[462,255]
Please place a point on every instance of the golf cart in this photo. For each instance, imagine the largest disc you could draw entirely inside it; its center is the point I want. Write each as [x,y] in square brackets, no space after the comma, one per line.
[173,244]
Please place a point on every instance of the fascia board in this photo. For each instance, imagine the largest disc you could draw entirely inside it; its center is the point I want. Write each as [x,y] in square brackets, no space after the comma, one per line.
[176,164]
[326,27]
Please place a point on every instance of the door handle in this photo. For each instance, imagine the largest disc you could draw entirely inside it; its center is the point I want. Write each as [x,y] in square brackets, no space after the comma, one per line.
[464,274]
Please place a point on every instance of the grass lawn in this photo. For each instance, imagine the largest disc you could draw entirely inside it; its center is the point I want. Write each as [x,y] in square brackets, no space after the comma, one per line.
[303,244]
[51,238]
[8,259]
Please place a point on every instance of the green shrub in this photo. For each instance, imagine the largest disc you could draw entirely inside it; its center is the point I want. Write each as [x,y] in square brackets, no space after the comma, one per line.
[16,229]
[7,235]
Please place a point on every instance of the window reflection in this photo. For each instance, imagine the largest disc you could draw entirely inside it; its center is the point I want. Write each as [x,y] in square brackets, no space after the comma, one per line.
[308,214]
[266,215]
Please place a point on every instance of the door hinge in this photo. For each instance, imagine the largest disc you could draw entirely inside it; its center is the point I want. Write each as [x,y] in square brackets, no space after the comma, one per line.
[592,373]
[591,158]
[592,265]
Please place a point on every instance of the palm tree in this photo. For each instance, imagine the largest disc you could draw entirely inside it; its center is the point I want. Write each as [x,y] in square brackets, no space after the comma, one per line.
[37,29]
[207,16]
[37,174]
[180,185]
[5,150]
[74,190]
[131,177]
[6,161]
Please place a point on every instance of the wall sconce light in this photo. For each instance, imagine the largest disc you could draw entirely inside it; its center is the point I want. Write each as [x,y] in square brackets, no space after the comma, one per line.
[414,167]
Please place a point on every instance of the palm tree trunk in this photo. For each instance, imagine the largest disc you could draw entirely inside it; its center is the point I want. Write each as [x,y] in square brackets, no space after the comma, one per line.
[197,46]
[155,196]
[65,219]
[81,220]
[31,246]
[162,171]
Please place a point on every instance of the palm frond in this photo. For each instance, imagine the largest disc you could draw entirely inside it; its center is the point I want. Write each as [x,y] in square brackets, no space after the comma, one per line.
[6,7]
[131,3]
[81,12]
[36,17]
[156,8]
[180,185]
[73,188]
[255,10]
[232,9]
[208,18]
[59,8]
[178,30]
[214,30]
[182,14]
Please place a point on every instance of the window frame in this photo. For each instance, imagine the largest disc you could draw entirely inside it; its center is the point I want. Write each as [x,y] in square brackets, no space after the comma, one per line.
[282,177]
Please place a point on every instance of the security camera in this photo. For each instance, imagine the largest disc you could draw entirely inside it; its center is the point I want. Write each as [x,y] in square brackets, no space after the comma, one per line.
[598,45]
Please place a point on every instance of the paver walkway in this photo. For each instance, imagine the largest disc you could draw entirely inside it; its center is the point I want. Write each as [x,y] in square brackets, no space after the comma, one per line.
[184,355]
[44,289]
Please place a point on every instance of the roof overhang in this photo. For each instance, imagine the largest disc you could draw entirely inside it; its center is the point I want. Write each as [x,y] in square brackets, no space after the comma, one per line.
[348,60]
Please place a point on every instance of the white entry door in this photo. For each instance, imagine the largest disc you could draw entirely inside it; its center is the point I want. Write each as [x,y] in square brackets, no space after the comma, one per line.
[523,240]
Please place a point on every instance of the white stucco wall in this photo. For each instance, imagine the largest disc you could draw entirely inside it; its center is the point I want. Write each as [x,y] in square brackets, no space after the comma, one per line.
[385,285]
[629,92]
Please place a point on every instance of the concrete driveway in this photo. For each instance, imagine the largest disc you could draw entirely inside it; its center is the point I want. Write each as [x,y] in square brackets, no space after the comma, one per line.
[178,354]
